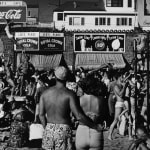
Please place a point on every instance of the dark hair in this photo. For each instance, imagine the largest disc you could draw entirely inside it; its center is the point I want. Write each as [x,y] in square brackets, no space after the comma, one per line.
[91,85]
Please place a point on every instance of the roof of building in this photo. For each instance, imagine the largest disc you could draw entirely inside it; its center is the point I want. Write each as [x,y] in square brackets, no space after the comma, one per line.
[81,6]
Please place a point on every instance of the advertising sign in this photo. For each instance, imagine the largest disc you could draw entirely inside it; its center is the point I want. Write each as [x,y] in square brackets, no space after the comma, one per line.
[28,41]
[13,10]
[52,41]
[99,42]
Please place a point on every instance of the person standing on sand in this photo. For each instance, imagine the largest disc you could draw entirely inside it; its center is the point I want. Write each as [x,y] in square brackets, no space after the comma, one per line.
[56,105]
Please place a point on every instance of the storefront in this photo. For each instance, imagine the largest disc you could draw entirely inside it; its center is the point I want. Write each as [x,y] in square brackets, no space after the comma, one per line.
[93,50]
[44,48]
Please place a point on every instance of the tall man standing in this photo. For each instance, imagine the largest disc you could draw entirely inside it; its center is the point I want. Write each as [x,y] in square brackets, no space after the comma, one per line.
[56,105]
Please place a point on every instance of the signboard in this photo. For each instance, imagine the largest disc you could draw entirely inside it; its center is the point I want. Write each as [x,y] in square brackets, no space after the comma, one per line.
[13,10]
[52,41]
[99,42]
[28,41]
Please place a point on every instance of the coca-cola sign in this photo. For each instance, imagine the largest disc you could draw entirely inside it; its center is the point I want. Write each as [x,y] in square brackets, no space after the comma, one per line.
[17,14]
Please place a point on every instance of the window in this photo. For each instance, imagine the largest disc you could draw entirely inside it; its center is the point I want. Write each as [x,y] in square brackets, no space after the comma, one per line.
[102,21]
[60,16]
[29,13]
[108,21]
[124,21]
[70,21]
[118,22]
[82,21]
[77,21]
[114,3]
[130,21]
[96,21]
[129,3]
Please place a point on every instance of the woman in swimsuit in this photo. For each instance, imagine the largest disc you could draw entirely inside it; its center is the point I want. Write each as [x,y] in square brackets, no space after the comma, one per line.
[92,104]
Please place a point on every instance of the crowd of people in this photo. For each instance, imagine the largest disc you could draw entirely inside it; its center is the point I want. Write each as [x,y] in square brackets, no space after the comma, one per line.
[59,101]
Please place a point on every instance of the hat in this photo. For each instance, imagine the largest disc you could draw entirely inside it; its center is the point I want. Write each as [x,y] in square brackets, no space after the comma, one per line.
[60,73]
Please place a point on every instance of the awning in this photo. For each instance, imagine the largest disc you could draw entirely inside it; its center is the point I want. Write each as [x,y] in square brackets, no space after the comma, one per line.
[41,62]
[95,60]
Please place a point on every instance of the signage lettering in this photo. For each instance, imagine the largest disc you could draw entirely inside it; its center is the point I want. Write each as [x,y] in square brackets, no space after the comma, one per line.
[29,43]
[27,40]
[45,34]
[11,3]
[11,14]
[13,10]
[26,34]
[51,43]
[99,42]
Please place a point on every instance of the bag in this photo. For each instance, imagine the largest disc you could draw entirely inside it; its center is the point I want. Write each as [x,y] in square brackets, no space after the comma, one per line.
[36,131]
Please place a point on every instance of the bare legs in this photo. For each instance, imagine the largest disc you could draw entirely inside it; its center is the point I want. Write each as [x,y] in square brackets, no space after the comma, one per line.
[118,111]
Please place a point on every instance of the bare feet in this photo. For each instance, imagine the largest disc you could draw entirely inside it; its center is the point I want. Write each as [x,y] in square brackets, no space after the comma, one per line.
[110,138]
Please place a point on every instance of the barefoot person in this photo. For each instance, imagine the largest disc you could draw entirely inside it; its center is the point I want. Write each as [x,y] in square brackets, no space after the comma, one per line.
[56,105]
[119,90]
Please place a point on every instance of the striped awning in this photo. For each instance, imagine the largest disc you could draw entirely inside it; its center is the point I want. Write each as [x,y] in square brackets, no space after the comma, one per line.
[96,60]
[45,62]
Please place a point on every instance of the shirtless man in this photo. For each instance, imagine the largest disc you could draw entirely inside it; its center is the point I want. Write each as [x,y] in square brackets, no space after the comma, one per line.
[56,105]
[119,90]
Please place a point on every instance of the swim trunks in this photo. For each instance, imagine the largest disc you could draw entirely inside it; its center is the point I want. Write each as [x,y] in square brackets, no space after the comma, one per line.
[119,104]
[57,137]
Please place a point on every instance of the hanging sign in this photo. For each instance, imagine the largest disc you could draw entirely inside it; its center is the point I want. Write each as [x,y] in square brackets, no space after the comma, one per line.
[28,41]
[13,10]
[99,42]
[51,41]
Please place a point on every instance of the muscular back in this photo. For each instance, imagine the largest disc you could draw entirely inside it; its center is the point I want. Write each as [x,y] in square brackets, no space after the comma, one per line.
[56,103]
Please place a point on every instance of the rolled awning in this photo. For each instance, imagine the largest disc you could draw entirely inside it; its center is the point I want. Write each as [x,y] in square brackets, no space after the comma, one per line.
[45,62]
[95,60]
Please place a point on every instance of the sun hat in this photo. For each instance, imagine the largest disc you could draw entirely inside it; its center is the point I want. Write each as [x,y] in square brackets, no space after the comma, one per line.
[61,73]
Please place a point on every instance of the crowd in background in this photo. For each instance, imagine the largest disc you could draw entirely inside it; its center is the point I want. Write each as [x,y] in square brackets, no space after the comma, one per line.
[114,87]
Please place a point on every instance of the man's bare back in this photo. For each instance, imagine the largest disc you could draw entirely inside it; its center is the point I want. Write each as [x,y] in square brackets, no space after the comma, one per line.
[55,99]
